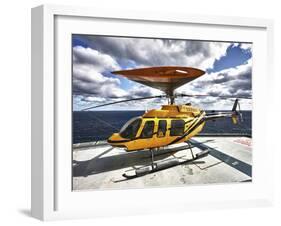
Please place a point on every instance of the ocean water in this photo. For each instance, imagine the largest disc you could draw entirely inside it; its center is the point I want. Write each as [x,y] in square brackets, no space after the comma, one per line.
[99,125]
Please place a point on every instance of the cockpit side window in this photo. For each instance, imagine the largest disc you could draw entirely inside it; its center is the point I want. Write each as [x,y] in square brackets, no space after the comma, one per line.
[147,131]
[130,129]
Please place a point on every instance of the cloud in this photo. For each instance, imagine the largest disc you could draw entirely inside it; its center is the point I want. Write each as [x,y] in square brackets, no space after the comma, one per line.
[235,82]
[246,46]
[88,56]
[139,90]
[88,78]
[92,99]
[93,83]
[160,52]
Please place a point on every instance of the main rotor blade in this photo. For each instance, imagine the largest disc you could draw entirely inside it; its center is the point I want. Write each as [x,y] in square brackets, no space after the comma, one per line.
[122,101]
[209,95]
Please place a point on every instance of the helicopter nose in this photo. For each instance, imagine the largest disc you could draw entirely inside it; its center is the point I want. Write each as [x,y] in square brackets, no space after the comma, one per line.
[115,137]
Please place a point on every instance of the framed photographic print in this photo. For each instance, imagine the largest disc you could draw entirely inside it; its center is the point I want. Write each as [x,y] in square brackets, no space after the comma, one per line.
[136,113]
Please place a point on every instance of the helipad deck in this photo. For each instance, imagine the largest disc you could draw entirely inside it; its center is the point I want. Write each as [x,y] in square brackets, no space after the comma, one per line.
[100,166]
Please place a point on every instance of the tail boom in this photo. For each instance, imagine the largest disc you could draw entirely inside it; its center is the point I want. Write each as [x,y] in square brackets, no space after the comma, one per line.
[233,114]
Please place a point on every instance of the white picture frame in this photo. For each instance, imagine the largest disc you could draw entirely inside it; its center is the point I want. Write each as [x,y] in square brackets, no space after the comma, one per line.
[52,197]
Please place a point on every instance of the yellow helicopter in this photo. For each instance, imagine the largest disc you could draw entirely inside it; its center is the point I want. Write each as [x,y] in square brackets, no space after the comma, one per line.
[172,123]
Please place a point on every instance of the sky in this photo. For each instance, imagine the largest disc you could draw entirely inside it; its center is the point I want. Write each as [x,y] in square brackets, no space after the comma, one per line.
[228,67]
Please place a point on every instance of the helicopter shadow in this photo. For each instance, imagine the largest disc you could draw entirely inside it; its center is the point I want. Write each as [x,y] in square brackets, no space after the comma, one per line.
[101,163]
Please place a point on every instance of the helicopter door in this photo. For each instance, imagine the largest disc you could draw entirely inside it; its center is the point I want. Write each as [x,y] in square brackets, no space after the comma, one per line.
[162,128]
[148,129]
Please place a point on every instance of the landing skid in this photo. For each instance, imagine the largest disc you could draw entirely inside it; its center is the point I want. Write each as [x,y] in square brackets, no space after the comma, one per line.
[154,167]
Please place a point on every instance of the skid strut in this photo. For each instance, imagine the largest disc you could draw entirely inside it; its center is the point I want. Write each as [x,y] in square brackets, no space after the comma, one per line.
[154,167]
[152,159]
[190,148]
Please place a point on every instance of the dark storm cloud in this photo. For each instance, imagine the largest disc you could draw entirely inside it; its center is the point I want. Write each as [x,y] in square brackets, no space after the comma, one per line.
[233,87]
[141,92]
[116,48]
[240,86]
[152,52]
[103,89]
[189,47]
[193,48]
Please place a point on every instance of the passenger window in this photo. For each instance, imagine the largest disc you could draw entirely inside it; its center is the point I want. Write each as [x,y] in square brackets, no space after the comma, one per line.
[162,127]
[177,127]
[147,131]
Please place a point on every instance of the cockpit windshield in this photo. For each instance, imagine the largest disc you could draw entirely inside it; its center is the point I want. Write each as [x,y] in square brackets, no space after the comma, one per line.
[130,129]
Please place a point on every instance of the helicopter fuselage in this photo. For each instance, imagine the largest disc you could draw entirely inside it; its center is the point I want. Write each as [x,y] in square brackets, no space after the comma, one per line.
[160,127]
